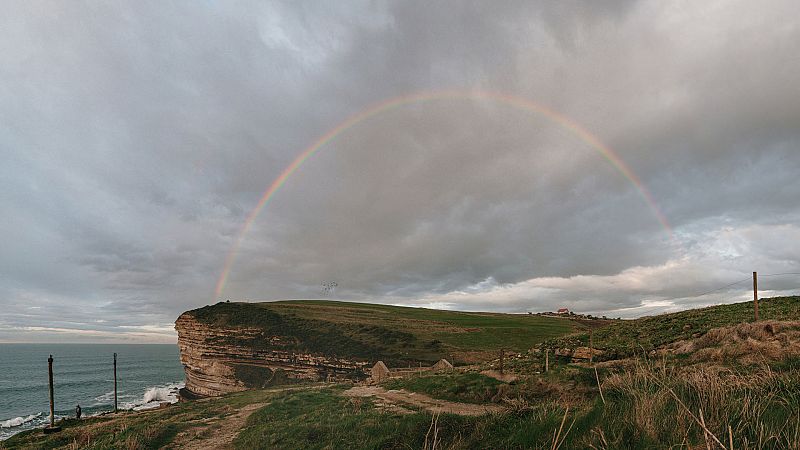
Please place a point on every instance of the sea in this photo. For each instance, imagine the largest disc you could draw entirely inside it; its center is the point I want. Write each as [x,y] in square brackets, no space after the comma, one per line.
[83,374]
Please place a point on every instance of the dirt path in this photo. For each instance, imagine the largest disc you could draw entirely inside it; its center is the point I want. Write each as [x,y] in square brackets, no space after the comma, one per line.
[396,399]
[214,433]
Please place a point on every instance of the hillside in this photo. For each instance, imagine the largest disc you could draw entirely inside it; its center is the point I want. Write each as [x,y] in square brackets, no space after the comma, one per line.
[626,338]
[230,347]
[689,397]
[397,335]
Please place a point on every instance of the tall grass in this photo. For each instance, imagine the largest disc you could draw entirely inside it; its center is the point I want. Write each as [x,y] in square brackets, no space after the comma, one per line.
[759,409]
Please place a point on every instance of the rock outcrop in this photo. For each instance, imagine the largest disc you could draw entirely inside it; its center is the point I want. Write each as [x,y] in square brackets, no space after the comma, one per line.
[223,359]
[579,352]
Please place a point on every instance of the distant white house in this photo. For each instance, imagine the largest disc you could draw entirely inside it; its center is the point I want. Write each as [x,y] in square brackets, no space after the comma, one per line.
[563,311]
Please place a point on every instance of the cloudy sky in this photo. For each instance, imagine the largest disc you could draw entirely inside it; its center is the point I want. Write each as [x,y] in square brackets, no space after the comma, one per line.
[137,137]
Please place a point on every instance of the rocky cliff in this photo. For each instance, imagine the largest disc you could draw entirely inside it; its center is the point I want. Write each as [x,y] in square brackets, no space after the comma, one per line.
[219,359]
[233,346]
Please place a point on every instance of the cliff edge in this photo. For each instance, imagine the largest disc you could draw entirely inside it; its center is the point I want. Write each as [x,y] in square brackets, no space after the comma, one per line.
[234,346]
[220,359]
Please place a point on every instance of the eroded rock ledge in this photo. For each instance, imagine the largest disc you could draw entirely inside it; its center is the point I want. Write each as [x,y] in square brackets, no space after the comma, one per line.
[222,359]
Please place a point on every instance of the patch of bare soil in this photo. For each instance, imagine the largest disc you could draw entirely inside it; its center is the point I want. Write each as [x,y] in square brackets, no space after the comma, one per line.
[506,377]
[403,399]
[215,433]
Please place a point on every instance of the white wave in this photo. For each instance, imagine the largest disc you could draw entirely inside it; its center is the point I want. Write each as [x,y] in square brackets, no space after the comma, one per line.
[17,421]
[154,396]
[104,398]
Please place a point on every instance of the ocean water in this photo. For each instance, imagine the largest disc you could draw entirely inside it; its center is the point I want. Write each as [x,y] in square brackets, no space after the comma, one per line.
[83,374]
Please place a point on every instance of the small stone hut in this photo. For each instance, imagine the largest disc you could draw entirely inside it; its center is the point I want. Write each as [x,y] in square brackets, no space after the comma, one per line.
[379,371]
[442,364]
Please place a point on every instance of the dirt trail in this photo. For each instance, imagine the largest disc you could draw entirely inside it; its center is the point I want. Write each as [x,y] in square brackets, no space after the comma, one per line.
[216,433]
[396,399]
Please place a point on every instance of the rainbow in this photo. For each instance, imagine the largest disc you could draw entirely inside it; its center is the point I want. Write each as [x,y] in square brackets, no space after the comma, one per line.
[397,102]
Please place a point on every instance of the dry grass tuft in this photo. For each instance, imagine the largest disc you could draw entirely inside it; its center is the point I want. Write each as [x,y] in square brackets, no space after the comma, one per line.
[745,343]
[133,442]
[756,409]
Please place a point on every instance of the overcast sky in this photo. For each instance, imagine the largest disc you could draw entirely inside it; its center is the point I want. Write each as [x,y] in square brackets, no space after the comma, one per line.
[136,138]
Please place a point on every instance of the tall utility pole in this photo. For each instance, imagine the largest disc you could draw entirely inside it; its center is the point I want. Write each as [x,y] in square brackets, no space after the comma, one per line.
[52,428]
[755,293]
[115,382]
[52,402]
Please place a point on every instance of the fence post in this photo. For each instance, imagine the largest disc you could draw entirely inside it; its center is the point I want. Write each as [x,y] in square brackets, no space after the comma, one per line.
[547,359]
[755,293]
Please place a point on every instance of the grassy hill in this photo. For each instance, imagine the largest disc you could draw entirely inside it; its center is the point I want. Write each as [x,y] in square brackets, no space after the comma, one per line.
[628,337]
[645,403]
[392,333]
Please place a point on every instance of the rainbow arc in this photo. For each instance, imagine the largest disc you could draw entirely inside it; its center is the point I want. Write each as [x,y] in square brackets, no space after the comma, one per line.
[397,102]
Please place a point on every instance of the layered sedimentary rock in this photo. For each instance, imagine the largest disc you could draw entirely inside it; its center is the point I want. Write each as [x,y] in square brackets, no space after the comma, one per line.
[221,359]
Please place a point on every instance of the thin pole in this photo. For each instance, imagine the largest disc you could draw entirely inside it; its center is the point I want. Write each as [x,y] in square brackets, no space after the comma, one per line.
[502,351]
[755,293]
[547,360]
[115,382]
[52,402]
[591,347]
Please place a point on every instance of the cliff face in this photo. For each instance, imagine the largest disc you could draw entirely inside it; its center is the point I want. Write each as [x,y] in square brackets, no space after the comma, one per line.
[220,359]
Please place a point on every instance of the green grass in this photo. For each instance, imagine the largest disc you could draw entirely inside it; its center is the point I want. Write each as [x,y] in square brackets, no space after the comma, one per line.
[396,335]
[631,337]
[646,405]
[467,387]
[640,413]
[761,407]
[134,430]
[325,420]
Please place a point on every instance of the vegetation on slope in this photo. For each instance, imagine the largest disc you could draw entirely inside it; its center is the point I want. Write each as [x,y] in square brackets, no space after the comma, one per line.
[137,430]
[397,335]
[626,338]
[647,407]
[739,384]
[468,387]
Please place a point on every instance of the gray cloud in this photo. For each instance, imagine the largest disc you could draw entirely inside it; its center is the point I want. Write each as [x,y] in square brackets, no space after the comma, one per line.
[136,139]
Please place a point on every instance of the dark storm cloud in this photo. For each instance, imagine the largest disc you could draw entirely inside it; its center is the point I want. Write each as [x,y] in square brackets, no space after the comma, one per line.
[136,139]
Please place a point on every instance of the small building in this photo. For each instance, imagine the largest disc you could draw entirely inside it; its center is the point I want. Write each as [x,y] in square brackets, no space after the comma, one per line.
[442,364]
[562,311]
[379,371]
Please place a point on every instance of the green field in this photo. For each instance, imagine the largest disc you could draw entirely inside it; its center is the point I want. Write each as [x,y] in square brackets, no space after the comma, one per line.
[644,408]
[675,401]
[630,337]
[467,387]
[397,335]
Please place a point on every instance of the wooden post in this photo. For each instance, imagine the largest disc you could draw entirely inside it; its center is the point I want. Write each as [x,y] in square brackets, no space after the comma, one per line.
[501,360]
[52,428]
[52,401]
[591,347]
[547,360]
[115,382]
[755,293]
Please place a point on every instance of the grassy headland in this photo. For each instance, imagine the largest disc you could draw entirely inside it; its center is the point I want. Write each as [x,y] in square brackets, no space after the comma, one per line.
[734,386]
[397,335]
